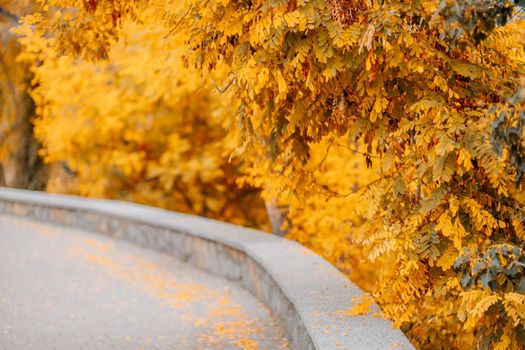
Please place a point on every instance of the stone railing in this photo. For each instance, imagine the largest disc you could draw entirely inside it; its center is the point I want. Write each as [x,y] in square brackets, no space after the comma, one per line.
[307,294]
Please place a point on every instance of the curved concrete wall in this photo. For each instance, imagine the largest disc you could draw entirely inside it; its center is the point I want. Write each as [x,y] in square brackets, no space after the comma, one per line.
[305,292]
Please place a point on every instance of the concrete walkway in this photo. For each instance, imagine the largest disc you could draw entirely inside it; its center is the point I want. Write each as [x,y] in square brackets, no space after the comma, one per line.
[63,288]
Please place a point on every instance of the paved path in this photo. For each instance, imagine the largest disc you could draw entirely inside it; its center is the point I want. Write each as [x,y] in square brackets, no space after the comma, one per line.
[68,289]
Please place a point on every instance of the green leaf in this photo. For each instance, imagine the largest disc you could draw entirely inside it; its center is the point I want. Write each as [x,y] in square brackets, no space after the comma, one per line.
[399,186]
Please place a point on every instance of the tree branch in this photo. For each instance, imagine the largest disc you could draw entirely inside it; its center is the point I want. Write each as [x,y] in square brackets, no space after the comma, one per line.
[328,191]
[356,151]
[223,90]
[9,15]
[179,22]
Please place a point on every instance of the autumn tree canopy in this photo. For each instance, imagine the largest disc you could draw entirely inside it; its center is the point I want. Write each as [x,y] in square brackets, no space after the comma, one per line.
[138,126]
[389,133]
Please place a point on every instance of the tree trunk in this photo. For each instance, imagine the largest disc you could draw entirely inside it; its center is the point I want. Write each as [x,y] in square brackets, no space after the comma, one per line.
[24,168]
[278,215]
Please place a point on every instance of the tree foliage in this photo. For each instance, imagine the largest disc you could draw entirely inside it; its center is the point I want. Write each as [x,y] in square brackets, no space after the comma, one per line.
[138,126]
[426,97]
[418,91]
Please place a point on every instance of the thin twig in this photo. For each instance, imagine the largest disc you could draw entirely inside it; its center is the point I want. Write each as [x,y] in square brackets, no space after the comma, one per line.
[179,22]
[326,154]
[356,151]
[339,195]
[223,90]
[517,14]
